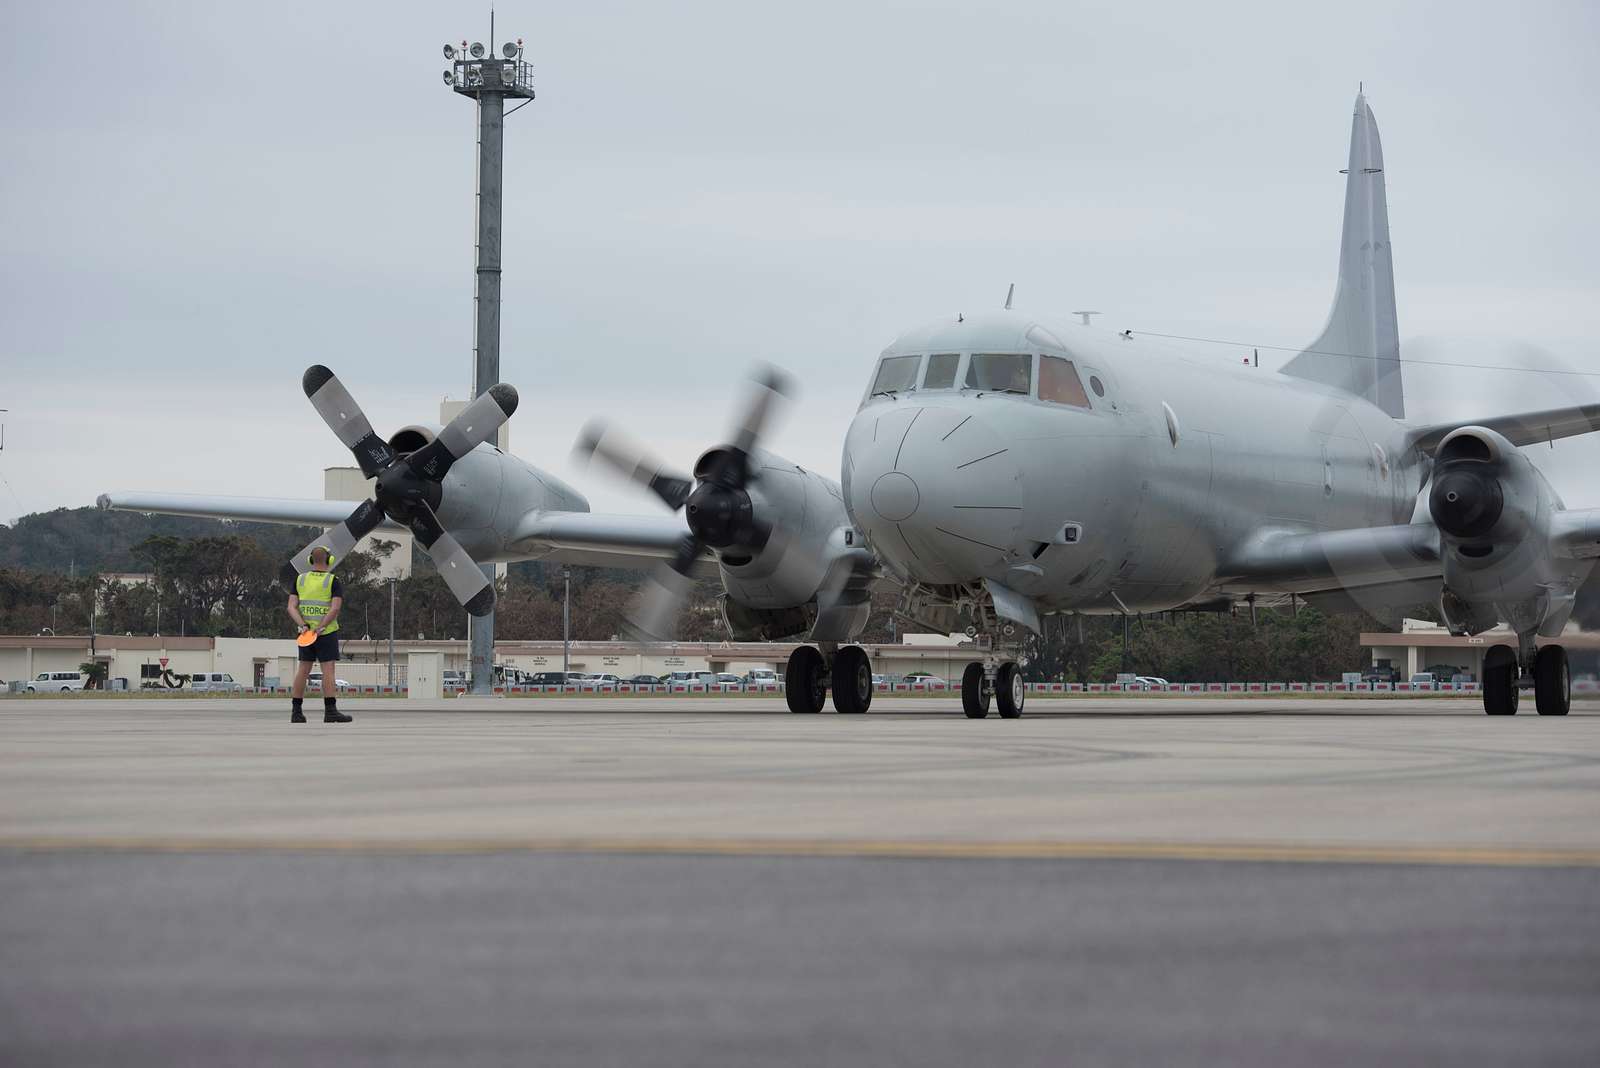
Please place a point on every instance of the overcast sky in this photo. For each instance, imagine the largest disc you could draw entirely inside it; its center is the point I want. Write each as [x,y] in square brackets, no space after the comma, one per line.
[202,199]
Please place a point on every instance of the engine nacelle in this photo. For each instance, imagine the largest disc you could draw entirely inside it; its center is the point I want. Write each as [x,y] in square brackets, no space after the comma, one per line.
[1493,509]
[486,494]
[804,516]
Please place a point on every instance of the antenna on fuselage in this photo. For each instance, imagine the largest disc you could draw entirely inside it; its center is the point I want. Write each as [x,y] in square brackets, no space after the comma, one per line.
[1084,315]
[1010,292]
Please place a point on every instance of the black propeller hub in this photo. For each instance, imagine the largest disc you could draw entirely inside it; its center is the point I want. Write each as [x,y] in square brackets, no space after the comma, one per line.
[400,490]
[720,515]
[1466,499]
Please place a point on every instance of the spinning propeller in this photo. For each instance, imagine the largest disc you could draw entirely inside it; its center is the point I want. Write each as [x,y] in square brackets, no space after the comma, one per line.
[715,502]
[408,490]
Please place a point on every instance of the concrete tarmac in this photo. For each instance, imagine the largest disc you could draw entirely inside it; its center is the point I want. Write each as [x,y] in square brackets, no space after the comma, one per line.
[601,880]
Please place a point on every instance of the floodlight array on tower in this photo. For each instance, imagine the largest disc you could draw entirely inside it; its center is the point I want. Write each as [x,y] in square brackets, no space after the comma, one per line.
[474,69]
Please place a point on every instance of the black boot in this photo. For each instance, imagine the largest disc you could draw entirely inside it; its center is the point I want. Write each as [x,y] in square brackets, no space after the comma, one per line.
[331,713]
[296,716]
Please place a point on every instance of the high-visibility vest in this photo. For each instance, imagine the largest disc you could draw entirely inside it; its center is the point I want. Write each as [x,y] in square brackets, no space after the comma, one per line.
[315,590]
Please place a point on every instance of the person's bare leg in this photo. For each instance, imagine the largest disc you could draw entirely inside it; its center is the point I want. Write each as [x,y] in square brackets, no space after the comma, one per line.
[297,692]
[330,706]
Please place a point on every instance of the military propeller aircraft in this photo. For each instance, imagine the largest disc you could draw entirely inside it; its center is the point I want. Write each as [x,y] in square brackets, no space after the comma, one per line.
[1003,467]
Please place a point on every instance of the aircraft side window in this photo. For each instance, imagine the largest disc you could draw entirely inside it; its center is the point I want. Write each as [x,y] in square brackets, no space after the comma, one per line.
[1059,382]
[1001,372]
[941,371]
[896,374]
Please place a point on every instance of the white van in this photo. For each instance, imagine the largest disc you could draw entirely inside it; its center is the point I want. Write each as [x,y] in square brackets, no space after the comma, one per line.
[57,681]
[213,682]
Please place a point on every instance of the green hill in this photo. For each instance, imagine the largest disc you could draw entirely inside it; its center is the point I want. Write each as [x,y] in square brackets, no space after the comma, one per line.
[88,540]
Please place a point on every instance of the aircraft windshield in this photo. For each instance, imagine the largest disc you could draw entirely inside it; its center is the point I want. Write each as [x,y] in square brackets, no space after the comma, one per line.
[1059,382]
[941,371]
[1001,372]
[896,374]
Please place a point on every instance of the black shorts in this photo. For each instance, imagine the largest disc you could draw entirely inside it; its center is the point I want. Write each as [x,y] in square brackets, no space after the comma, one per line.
[321,651]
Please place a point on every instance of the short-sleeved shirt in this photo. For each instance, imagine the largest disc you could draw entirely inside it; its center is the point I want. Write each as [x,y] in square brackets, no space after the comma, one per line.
[289,580]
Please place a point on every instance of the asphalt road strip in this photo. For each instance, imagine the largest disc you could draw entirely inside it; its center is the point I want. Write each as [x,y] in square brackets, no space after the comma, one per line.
[1287,853]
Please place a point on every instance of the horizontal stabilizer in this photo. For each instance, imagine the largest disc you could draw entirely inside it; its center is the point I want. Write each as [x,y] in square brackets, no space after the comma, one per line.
[1520,428]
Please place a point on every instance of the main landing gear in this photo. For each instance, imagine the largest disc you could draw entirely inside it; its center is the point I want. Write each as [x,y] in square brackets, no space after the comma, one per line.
[1001,680]
[1548,676]
[812,672]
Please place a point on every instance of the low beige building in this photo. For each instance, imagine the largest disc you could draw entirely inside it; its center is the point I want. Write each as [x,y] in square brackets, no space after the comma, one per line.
[1421,645]
[365,662]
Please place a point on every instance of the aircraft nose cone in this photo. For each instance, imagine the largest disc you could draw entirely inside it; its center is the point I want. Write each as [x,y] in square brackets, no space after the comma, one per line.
[936,488]
[895,496]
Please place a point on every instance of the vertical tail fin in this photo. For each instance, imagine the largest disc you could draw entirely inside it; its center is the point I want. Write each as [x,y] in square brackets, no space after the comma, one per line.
[1359,350]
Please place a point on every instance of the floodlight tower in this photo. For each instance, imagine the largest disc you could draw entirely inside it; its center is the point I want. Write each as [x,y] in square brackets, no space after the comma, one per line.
[476,72]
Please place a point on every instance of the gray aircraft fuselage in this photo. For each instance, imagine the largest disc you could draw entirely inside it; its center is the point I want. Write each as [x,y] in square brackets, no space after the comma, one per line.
[1131,499]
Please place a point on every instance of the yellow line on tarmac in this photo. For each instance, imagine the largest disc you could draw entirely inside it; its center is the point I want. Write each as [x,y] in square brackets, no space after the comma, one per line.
[1269,852]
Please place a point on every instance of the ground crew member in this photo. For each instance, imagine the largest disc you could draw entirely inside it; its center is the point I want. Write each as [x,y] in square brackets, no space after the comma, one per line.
[314,605]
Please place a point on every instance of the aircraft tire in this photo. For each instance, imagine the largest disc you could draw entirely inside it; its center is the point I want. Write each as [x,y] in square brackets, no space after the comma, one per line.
[1552,681]
[1010,691]
[852,680]
[1500,681]
[805,684]
[974,699]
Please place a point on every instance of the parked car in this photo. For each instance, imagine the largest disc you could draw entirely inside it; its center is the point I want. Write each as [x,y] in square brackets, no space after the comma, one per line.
[546,678]
[761,678]
[216,682]
[690,677]
[928,679]
[57,682]
[643,680]
[601,681]
[1150,682]
[728,678]
[1379,674]
[455,679]
[314,682]
[1422,678]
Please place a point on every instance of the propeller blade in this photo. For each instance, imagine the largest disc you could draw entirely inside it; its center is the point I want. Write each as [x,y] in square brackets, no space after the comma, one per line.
[340,538]
[477,423]
[461,573]
[634,462]
[653,615]
[768,386]
[344,417]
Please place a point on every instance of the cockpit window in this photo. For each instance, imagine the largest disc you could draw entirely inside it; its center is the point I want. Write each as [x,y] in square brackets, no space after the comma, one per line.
[1001,372]
[896,374]
[1059,382]
[941,371]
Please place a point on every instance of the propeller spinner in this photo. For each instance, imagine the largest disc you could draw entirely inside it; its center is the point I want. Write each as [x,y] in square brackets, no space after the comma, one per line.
[407,489]
[716,506]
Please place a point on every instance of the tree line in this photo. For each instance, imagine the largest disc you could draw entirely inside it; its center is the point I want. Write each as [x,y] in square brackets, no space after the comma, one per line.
[229,585]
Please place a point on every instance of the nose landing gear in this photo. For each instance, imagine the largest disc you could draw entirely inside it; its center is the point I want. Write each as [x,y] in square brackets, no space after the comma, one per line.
[992,678]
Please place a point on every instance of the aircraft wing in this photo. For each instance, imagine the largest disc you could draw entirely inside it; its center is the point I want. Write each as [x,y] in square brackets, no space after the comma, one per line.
[1521,428]
[300,513]
[604,540]
[1290,561]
